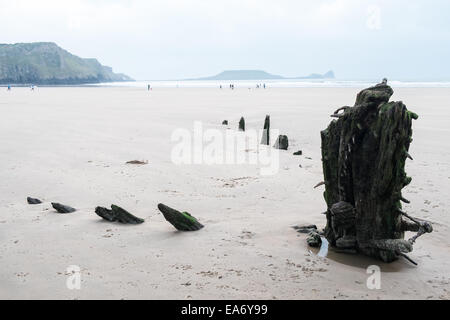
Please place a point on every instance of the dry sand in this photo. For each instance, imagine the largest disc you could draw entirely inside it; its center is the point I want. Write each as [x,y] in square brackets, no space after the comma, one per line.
[70,145]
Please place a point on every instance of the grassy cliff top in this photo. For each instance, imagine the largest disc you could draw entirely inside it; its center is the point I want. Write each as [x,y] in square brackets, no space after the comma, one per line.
[47,63]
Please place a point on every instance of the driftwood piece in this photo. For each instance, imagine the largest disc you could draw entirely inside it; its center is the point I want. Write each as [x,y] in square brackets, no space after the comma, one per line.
[33,201]
[322,183]
[118,214]
[182,221]
[266,132]
[138,162]
[305,229]
[62,208]
[363,154]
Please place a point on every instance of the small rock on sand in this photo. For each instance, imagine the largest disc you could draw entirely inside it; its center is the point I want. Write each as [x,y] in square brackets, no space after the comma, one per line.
[62,208]
[33,201]
[314,240]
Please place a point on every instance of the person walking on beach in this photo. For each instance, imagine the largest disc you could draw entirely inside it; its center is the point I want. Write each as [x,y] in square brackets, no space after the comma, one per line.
[9,87]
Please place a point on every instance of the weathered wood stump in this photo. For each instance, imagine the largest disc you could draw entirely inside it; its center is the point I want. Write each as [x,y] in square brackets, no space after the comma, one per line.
[242,124]
[266,132]
[282,143]
[364,153]
[182,221]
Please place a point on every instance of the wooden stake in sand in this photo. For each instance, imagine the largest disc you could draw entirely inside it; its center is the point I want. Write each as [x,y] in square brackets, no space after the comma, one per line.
[266,133]
[242,124]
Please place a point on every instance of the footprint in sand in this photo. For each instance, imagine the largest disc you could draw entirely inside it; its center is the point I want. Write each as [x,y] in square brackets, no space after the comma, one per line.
[247,235]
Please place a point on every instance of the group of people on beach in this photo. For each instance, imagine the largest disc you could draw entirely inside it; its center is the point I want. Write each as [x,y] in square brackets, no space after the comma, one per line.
[258,86]
[231,86]
[32,87]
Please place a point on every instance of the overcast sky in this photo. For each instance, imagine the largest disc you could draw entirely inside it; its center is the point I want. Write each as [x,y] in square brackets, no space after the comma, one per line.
[173,39]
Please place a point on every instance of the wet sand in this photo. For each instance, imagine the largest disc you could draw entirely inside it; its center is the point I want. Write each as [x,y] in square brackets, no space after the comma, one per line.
[71,145]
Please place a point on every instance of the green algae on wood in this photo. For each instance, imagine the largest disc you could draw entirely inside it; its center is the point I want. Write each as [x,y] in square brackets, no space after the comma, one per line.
[182,221]
[364,153]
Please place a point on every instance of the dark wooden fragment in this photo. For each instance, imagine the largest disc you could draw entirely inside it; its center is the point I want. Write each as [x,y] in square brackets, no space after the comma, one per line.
[266,132]
[62,208]
[182,221]
[242,124]
[305,229]
[282,143]
[118,214]
[105,213]
[33,201]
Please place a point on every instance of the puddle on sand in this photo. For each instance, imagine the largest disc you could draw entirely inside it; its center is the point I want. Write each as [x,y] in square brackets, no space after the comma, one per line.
[358,260]
[323,252]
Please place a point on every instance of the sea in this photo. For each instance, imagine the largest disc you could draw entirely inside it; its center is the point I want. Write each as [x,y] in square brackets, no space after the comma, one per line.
[284,83]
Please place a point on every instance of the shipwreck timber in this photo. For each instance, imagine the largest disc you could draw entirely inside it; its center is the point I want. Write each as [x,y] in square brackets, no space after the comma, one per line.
[364,151]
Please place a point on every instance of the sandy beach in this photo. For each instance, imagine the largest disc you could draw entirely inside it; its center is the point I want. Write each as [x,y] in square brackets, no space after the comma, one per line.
[71,145]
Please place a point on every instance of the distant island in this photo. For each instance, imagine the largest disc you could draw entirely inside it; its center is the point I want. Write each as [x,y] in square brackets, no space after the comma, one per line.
[260,75]
[45,63]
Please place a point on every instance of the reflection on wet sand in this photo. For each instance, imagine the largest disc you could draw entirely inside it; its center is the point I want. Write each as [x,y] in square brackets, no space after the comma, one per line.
[359,261]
